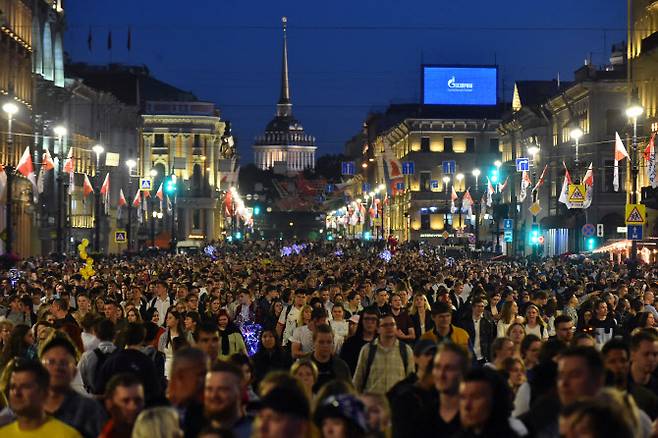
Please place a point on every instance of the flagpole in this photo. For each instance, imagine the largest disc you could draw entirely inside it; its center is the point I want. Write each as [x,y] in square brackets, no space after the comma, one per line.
[98,150]
[60,132]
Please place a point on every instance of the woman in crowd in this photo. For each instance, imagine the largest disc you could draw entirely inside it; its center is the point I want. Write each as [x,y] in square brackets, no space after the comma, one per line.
[307,373]
[270,356]
[20,344]
[507,317]
[173,328]
[230,339]
[602,324]
[516,332]
[494,306]
[421,315]
[534,324]
[516,373]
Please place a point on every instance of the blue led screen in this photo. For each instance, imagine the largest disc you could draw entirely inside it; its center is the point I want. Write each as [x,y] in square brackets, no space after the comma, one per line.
[459,85]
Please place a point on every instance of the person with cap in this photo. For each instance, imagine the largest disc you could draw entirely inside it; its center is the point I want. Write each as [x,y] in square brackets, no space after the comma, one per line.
[27,391]
[59,356]
[284,412]
[443,329]
[222,400]
[341,416]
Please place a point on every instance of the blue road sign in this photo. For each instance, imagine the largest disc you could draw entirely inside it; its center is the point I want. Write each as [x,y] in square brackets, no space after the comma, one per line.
[365,187]
[434,184]
[449,167]
[347,168]
[588,230]
[509,236]
[522,164]
[408,168]
[399,186]
[634,232]
[508,224]
[330,188]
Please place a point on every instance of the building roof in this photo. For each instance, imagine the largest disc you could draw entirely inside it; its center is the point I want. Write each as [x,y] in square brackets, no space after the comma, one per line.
[535,93]
[132,85]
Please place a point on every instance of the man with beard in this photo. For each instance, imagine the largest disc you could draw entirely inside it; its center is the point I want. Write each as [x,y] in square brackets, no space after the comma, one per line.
[223,400]
[28,388]
[124,400]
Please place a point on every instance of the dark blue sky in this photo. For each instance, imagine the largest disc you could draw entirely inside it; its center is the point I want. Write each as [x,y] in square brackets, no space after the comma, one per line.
[347,57]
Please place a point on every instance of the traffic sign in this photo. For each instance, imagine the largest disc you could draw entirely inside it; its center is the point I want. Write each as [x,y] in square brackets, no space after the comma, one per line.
[540,239]
[634,232]
[600,230]
[408,168]
[635,214]
[588,230]
[445,235]
[399,186]
[434,184]
[347,168]
[120,236]
[576,195]
[509,236]
[535,208]
[508,224]
[522,164]
[449,167]
[145,184]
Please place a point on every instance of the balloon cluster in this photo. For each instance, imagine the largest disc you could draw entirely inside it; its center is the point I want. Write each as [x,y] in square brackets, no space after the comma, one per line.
[386,255]
[251,334]
[87,271]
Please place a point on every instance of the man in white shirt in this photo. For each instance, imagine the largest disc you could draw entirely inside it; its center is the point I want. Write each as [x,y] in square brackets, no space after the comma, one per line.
[161,301]
[301,341]
[288,318]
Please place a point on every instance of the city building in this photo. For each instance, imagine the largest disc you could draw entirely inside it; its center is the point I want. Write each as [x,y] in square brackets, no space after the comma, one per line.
[284,145]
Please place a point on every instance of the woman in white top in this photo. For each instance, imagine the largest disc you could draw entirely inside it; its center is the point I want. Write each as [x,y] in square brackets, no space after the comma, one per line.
[339,326]
[507,317]
[534,324]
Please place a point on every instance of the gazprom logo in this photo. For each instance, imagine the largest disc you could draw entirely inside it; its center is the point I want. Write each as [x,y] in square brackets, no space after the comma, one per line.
[453,85]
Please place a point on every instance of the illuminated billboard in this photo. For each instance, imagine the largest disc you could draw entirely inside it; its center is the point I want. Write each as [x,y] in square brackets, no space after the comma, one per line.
[456,85]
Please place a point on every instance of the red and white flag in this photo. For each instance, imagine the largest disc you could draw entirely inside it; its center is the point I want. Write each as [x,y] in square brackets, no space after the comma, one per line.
[525,183]
[502,187]
[453,198]
[588,180]
[650,161]
[122,203]
[540,182]
[25,166]
[160,194]
[467,202]
[564,194]
[490,192]
[87,188]
[138,198]
[47,162]
[620,154]
[69,165]
[3,184]
[105,192]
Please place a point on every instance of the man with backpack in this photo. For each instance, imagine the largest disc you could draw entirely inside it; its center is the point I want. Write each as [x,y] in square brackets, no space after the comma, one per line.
[383,362]
[92,361]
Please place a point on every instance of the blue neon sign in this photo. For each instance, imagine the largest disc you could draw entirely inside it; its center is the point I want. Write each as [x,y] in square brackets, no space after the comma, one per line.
[460,85]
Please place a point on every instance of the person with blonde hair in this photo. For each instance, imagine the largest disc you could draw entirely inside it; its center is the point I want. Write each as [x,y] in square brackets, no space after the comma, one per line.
[307,373]
[420,314]
[160,422]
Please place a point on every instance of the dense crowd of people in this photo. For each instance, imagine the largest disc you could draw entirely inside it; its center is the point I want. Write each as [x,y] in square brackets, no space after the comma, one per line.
[340,340]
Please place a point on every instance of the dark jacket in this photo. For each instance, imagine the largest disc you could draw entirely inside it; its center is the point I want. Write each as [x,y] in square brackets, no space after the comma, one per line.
[429,324]
[137,363]
[265,361]
[350,351]
[487,334]
[336,369]
[84,414]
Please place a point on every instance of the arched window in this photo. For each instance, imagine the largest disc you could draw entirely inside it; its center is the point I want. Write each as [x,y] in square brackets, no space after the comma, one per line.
[197,178]
[59,61]
[37,50]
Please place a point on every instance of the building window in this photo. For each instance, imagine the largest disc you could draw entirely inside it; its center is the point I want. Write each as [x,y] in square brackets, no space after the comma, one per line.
[425,181]
[197,141]
[424,144]
[470,145]
[614,121]
[158,141]
[447,144]
[494,145]
[425,221]
[196,220]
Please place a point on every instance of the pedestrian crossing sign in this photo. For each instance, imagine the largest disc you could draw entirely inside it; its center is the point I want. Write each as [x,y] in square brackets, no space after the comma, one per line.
[635,214]
[576,193]
[120,236]
[145,184]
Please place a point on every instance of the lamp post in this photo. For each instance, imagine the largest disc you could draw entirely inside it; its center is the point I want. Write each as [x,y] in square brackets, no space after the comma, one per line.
[476,173]
[98,150]
[10,108]
[382,188]
[497,163]
[153,173]
[446,182]
[460,178]
[60,131]
[174,237]
[533,151]
[576,134]
[131,165]
[634,111]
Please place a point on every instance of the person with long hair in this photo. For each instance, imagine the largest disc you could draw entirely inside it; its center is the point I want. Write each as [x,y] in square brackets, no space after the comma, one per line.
[507,317]
[534,324]
[270,355]
[272,317]
[20,344]
[159,422]
[493,307]
[306,372]
[516,332]
[230,338]
[421,315]
[173,329]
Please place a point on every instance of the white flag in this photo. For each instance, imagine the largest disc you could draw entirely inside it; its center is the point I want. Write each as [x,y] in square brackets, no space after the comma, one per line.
[525,183]
[620,154]
[588,180]
[564,194]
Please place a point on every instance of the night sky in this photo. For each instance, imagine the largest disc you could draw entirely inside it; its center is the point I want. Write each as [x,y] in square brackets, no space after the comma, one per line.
[346,57]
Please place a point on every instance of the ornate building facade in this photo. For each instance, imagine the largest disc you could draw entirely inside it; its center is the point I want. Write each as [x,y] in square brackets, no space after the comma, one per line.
[284,140]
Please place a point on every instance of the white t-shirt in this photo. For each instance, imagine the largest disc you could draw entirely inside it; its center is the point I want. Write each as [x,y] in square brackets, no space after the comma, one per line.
[302,335]
[290,323]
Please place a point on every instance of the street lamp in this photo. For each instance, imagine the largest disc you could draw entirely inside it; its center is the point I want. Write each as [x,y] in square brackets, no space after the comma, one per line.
[576,133]
[130,164]
[446,181]
[10,108]
[496,212]
[98,150]
[60,131]
[476,173]
[460,178]
[382,188]
[634,111]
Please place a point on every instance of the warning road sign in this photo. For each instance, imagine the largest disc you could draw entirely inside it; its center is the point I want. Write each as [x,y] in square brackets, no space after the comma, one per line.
[576,194]
[120,236]
[635,214]
[145,184]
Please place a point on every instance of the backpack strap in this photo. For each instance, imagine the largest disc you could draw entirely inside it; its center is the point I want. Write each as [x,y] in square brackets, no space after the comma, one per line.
[404,355]
[372,350]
